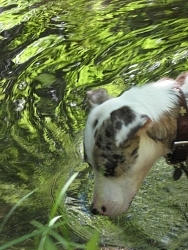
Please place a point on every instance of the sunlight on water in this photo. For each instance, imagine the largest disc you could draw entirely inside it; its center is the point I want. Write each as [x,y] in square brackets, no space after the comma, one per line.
[51,54]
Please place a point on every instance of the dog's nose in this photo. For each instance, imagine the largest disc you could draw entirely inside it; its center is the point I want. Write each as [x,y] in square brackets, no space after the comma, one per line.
[95,211]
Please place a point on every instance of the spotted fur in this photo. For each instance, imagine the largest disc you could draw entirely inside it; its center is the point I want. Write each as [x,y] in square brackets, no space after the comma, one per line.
[125,135]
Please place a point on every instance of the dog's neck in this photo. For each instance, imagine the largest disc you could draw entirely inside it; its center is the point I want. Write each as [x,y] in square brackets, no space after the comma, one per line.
[180,145]
[173,132]
[165,130]
[160,102]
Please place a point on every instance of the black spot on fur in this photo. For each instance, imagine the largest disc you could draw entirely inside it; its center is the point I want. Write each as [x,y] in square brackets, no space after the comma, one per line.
[95,133]
[108,133]
[112,161]
[126,145]
[116,157]
[120,158]
[134,152]
[124,114]
[109,172]
[135,157]
[99,139]
[133,131]
[95,123]
[110,166]
[104,155]
[118,125]
[108,147]
[98,144]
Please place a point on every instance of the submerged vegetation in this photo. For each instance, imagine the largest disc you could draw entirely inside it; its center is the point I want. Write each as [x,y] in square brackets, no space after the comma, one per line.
[52,52]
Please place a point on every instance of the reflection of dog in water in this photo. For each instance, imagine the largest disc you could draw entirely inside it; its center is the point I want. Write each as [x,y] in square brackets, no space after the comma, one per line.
[125,135]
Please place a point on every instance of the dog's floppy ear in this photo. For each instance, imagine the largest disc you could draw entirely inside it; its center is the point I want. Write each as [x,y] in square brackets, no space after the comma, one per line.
[126,123]
[96,97]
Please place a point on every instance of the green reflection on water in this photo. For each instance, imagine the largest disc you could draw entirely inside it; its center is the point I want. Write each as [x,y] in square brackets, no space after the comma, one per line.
[51,53]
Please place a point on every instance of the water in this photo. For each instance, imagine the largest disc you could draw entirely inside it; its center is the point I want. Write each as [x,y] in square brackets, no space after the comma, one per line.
[51,54]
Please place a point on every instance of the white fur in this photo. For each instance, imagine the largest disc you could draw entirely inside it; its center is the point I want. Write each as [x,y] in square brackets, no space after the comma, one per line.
[122,134]
[150,101]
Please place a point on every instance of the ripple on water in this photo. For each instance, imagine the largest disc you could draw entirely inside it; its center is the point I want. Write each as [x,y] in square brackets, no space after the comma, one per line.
[51,54]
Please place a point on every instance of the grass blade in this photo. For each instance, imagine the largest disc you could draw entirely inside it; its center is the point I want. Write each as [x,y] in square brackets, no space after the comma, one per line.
[61,195]
[14,208]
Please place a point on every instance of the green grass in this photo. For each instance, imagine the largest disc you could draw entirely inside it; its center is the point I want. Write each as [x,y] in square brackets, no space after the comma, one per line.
[48,235]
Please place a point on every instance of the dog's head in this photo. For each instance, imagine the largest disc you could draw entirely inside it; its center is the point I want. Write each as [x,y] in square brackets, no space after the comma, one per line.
[119,150]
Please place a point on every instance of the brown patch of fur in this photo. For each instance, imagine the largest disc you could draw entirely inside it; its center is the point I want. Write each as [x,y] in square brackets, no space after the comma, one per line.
[165,130]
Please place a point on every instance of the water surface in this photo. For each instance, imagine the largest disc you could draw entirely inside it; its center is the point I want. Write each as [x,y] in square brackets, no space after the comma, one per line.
[52,52]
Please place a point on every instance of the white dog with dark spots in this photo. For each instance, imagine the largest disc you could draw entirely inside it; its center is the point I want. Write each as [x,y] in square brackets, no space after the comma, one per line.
[125,135]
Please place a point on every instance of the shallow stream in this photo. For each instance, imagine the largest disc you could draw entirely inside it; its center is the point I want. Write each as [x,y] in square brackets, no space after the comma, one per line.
[51,53]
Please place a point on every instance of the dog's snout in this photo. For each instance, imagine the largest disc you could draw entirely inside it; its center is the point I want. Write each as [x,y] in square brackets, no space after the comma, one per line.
[96,211]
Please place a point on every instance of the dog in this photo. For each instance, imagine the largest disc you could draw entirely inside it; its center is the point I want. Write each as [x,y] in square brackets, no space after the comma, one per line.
[125,135]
